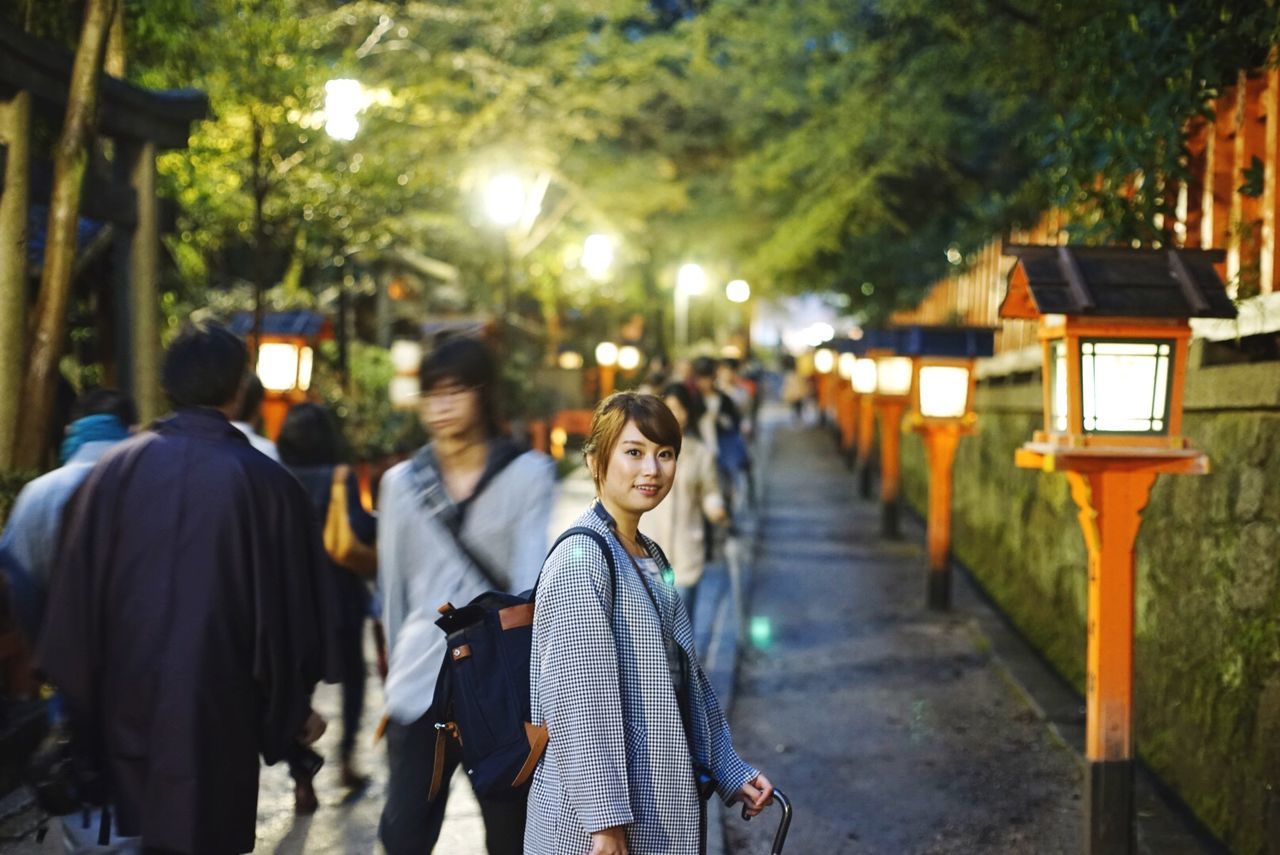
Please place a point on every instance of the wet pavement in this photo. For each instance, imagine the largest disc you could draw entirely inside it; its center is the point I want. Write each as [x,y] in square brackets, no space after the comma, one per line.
[893,728]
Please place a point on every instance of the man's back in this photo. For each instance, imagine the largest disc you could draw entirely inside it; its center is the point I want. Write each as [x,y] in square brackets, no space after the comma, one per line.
[184,627]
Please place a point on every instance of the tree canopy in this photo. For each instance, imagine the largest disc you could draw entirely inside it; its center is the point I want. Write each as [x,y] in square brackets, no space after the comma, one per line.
[862,147]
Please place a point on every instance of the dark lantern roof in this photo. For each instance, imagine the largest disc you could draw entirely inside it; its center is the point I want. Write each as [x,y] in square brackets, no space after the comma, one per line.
[300,324]
[957,342]
[1115,282]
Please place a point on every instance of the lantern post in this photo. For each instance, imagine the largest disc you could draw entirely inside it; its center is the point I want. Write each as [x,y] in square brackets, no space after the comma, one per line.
[1114,336]
[846,400]
[863,382]
[942,412]
[285,359]
[893,393]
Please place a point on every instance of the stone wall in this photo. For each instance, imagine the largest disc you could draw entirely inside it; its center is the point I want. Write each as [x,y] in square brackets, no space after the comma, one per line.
[1207,685]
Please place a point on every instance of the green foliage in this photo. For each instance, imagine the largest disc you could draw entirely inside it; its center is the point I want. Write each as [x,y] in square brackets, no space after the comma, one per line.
[371,427]
[801,145]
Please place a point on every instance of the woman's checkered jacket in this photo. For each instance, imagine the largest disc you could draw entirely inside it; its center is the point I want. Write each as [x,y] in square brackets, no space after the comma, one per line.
[600,680]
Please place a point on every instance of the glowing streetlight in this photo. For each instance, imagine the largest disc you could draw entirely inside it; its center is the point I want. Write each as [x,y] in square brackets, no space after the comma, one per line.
[607,360]
[691,279]
[738,291]
[629,358]
[344,98]
[505,199]
[597,256]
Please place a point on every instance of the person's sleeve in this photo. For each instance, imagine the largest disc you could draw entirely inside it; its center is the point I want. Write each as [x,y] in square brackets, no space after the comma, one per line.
[729,770]
[392,581]
[709,487]
[363,523]
[530,529]
[578,684]
[21,568]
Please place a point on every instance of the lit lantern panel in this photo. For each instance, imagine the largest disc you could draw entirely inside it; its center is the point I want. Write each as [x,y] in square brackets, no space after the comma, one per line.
[845,365]
[1125,385]
[1058,385]
[306,360]
[823,361]
[944,391]
[864,376]
[278,366]
[629,358]
[893,375]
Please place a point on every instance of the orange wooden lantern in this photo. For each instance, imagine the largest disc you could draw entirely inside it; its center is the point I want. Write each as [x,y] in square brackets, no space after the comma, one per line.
[890,400]
[284,359]
[1114,333]
[942,411]
[824,367]
[863,381]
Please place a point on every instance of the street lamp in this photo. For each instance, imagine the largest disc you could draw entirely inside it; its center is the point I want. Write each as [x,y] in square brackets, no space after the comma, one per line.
[942,412]
[344,98]
[738,291]
[607,361]
[1114,334]
[691,280]
[404,389]
[629,358]
[597,256]
[505,199]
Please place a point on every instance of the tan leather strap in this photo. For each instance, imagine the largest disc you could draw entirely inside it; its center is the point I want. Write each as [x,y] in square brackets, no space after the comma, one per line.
[513,617]
[437,767]
[462,651]
[538,738]
[381,729]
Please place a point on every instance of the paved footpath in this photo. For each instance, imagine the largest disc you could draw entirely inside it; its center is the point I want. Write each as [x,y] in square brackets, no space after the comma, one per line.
[895,729]
[888,725]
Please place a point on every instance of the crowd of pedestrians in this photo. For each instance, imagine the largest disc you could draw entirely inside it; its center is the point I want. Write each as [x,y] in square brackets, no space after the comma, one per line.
[189,583]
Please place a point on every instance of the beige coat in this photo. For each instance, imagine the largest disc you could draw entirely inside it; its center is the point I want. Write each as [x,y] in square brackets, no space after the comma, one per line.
[677,523]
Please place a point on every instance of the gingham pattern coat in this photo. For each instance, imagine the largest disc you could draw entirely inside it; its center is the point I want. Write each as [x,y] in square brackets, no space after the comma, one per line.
[600,680]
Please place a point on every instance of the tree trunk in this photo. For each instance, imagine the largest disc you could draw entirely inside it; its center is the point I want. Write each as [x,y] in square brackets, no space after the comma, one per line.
[15,133]
[259,185]
[70,157]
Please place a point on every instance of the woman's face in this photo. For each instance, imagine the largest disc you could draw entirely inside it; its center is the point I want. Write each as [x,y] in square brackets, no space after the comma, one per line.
[639,473]
[677,409]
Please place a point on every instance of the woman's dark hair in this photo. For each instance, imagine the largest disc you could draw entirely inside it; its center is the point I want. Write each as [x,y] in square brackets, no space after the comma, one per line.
[204,366]
[309,437]
[651,416]
[464,361]
[691,402]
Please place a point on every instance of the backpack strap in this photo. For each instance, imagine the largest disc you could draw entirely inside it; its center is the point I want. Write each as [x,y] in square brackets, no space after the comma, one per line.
[600,541]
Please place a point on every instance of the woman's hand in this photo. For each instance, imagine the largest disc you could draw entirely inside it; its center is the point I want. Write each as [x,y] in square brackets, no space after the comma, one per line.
[610,841]
[755,795]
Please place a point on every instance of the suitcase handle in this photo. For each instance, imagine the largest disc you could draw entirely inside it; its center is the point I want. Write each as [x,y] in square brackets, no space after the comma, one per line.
[779,839]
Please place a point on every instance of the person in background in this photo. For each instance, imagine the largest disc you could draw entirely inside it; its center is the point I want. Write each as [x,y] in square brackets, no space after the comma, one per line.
[632,717]
[795,390]
[680,520]
[187,620]
[100,418]
[312,449]
[250,415]
[721,429]
[467,514]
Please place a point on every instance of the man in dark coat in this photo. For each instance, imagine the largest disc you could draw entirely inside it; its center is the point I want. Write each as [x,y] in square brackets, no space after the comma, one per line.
[187,621]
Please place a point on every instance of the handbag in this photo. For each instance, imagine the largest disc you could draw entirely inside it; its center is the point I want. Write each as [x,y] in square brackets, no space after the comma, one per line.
[344,548]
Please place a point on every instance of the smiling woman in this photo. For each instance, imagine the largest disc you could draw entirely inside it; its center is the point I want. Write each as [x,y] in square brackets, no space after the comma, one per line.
[636,732]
